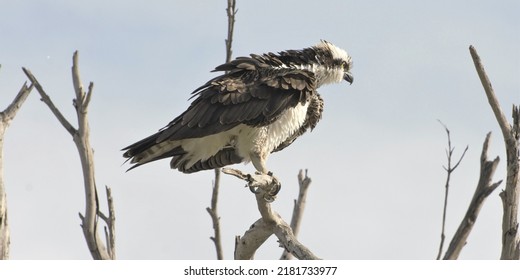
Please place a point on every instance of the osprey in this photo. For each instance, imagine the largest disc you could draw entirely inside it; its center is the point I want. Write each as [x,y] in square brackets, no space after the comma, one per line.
[259,106]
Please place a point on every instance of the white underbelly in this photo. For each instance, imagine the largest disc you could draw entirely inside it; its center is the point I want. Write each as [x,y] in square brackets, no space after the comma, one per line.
[247,140]
[263,140]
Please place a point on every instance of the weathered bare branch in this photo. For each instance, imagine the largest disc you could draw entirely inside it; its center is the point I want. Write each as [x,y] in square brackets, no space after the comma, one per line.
[264,187]
[47,100]
[110,228]
[231,12]
[299,205]
[511,195]
[10,112]
[490,93]
[82,141]
[212,210]
[111,241]
[449,170]
[254,237]
[6,117]
[483,190]
[81,137]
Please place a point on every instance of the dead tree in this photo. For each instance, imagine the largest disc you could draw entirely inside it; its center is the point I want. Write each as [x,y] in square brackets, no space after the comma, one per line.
[6,117]
[511,135]
[510,196]
[81,137]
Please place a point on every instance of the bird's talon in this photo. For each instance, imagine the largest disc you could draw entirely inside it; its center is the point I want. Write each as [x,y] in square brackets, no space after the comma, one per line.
[276,188]
[254,190]
[269,198]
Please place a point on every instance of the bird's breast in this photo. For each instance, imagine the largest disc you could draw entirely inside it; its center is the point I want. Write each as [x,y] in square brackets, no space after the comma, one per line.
[264,139]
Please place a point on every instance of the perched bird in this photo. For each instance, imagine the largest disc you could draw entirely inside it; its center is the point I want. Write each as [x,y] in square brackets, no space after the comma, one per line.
[259,106]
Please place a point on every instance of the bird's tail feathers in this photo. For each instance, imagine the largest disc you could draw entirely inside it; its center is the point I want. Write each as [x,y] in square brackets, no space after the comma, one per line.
[187,161]
[224,157]
[148,150]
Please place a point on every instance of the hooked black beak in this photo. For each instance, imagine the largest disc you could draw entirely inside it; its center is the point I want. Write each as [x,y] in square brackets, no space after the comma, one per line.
[348,77]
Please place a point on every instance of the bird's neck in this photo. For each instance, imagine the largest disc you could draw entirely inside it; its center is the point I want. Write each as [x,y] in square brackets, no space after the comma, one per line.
[324,75]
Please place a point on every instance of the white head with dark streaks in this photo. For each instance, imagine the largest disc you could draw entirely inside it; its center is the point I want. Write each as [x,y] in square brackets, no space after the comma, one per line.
[333,64]
[329,63]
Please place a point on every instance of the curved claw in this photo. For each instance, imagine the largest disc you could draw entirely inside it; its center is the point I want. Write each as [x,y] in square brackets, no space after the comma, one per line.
[253,189]
[249,178]
[277,187]
[269,198]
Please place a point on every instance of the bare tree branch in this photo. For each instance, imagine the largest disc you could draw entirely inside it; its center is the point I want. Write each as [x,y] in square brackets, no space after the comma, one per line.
[490,93]
[299,205]
[47,100]
[231,12]
[81,137]
[212,210]
[483,190]
[264,187]
[449,170]
[510,196]
[254,237]
[110,228]
[10,112]
[217,239]
[6,117]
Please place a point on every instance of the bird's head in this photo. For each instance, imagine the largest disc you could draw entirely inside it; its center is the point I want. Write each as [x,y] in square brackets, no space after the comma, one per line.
[331,64]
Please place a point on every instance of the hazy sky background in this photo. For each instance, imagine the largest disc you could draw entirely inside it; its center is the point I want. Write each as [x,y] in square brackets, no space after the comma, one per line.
[375,159]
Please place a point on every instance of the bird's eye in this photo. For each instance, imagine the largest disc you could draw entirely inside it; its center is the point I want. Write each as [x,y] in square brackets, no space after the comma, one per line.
[344,64]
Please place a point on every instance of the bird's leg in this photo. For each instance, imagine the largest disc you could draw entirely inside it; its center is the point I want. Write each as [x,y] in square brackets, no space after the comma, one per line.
[259,162]
[265,184]
[271,186]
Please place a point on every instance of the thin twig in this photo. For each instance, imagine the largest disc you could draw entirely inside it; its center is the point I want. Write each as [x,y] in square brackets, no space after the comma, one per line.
[111,241]
[231,12]
[110,228]
[449,170]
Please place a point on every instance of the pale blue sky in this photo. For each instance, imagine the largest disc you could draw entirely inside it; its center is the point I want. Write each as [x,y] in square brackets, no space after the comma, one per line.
[375,158]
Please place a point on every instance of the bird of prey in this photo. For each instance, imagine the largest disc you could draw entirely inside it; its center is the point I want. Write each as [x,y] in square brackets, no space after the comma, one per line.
[260,105]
